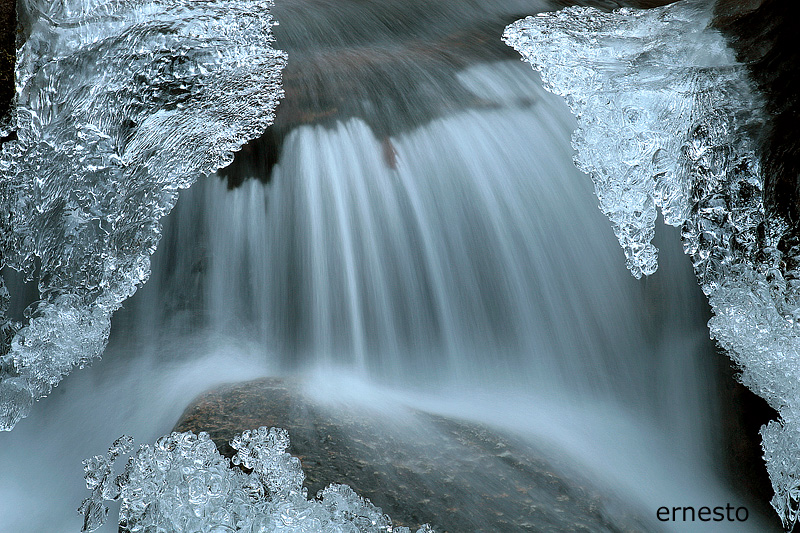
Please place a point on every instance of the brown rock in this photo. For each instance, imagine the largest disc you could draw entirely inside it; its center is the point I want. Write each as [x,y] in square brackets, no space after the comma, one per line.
[417,467]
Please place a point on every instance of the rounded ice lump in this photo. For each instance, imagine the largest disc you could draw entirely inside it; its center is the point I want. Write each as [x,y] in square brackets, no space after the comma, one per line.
[183,484]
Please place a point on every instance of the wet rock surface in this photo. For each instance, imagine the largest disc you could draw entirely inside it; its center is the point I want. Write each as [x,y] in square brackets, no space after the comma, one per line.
[392,64]
[417,467]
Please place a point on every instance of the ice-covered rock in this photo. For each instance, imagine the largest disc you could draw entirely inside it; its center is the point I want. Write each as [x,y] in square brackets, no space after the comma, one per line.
[120,104]
[183,484]
[667,119]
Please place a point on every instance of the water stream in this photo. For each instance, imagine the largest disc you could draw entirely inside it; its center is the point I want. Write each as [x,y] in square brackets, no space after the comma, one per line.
[452,260]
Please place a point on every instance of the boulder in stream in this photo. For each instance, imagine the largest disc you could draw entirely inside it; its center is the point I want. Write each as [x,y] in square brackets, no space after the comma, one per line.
[418,467]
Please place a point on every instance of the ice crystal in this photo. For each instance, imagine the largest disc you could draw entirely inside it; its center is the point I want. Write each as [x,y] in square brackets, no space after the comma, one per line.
[265,451]
[594,60]
[666,119]
[120,104]
[183,484]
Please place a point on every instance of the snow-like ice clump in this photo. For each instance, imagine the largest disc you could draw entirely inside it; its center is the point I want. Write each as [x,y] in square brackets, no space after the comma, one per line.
[119,105]
[183,484]
[666,120]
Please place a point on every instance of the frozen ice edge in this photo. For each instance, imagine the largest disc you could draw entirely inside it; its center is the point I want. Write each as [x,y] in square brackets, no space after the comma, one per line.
[182,483]
[119,105]
[665,114]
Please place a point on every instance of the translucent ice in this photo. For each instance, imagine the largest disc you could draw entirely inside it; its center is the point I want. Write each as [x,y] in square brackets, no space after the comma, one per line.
[183,484]
[630,77]
[666,119]
[120,104]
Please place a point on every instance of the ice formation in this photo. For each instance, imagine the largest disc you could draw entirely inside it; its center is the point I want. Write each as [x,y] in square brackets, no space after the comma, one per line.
[120,104]
[666,119]
[183,484]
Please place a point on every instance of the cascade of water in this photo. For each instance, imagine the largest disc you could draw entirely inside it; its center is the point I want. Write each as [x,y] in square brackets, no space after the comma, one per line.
[476,255]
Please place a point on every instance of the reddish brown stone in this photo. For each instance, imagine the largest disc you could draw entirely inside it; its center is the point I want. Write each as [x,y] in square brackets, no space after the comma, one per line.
[455,475]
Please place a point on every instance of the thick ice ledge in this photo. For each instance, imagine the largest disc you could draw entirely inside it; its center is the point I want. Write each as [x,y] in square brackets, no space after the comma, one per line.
[120,104]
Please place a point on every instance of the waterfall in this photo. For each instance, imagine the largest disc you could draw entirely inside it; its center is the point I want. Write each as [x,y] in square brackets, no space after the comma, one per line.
[473,260]
[457,264]
[475,256]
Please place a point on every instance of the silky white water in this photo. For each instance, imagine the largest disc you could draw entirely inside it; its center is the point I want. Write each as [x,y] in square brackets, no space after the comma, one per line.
[480,259]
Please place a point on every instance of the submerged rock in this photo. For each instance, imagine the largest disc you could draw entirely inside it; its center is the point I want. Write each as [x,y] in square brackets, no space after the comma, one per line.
[417,467]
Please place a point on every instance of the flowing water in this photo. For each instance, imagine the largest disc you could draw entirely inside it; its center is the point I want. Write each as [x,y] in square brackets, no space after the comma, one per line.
[427,240]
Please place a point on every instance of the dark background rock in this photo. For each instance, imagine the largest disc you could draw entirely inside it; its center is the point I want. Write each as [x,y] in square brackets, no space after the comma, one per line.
[392,81]
[455,475]
[743,415]
[8,37]
[762,34]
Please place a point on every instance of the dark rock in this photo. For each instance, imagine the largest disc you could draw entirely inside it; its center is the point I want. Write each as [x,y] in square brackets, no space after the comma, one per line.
[744,414]
[8,37]
[417,467]
[394,82]
[762,34]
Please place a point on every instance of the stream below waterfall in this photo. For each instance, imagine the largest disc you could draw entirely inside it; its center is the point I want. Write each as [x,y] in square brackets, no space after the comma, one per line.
[421,237]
